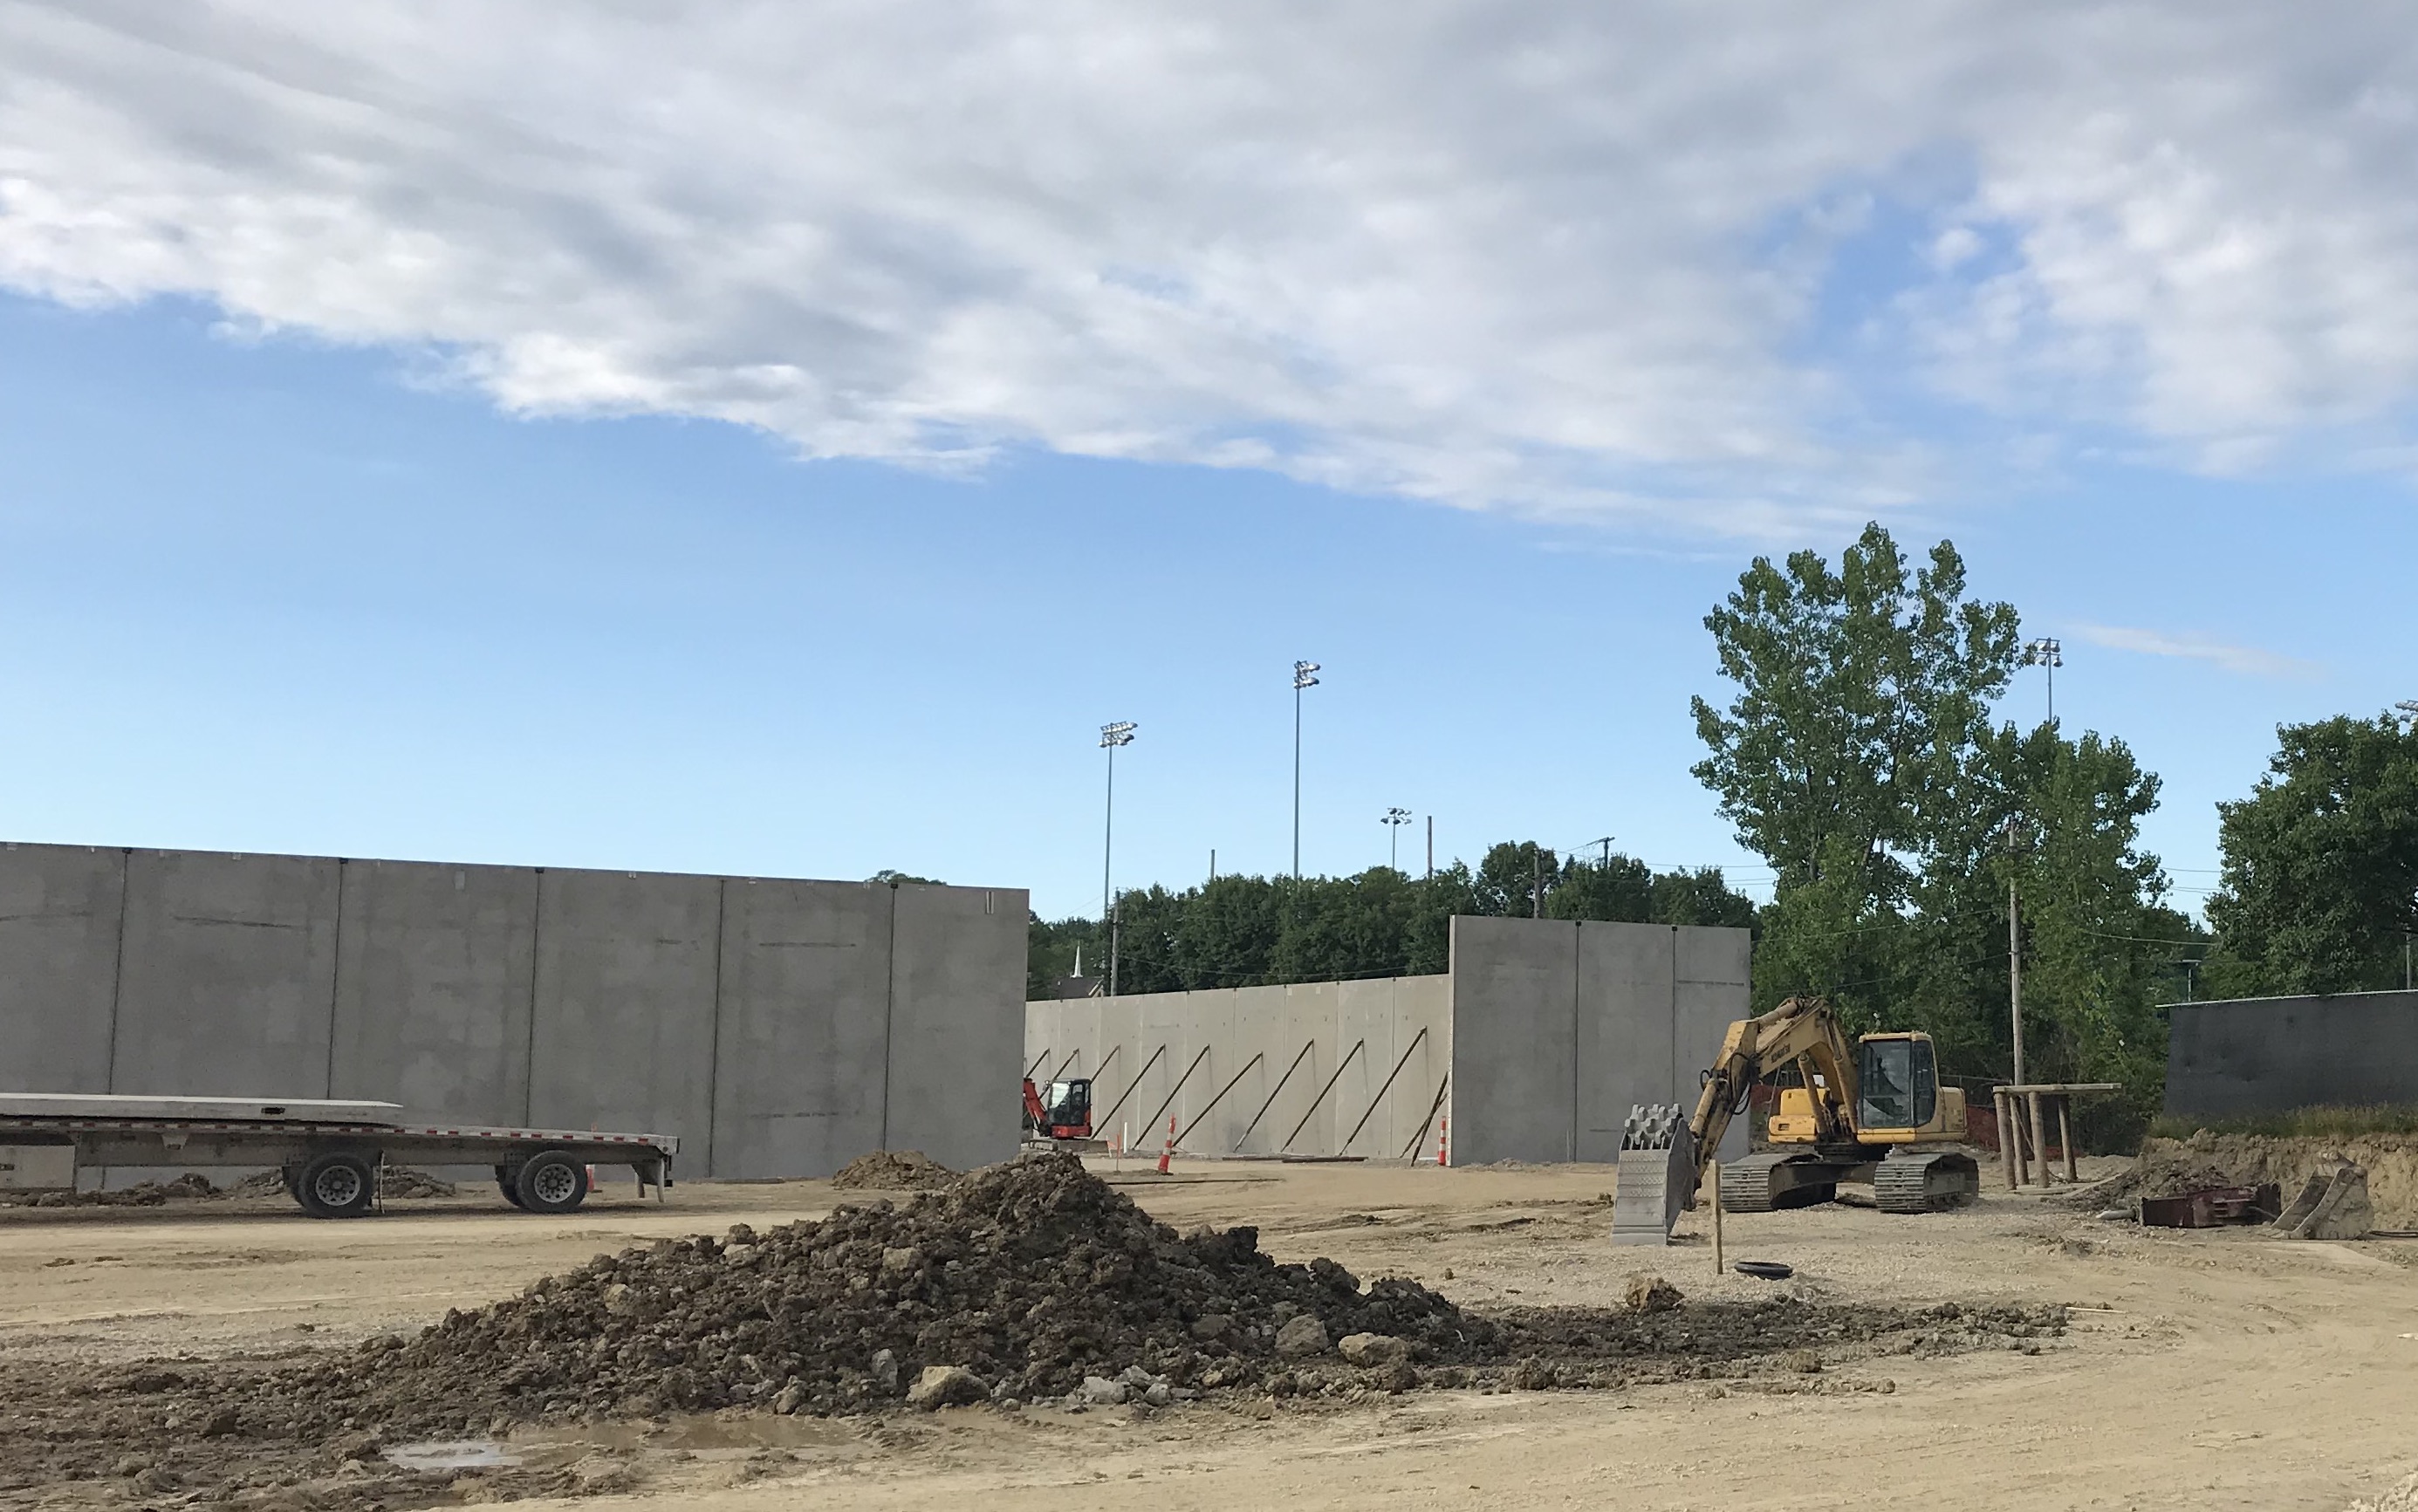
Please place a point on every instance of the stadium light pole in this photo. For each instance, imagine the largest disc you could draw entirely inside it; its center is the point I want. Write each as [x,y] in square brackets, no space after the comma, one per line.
[2049,653]
[1393,821]
[1112,735]
[1304,675]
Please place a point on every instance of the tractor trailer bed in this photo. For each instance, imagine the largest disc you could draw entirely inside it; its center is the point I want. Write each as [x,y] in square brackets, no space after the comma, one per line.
[329,1151]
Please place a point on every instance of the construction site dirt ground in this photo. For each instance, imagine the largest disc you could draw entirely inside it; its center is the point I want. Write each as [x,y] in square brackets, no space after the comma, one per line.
[2206,1370]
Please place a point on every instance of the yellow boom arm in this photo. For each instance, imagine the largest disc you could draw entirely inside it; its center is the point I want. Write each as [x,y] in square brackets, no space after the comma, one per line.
[1803,1030]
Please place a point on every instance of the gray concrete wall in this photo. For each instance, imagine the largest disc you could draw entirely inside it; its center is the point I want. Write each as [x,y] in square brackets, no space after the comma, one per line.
[1559,1027]
[228,975]
[1319,1068]
[60,910]
[1542,1037]
[458,945]
[780,1028]
[799,1058]
[955,1016]
[2271,1054]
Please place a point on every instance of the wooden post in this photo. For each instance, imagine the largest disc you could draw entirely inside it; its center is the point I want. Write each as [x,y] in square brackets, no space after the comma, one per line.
[2040,1138]
[2065,1136]
[2001,1103]
[1716,1171]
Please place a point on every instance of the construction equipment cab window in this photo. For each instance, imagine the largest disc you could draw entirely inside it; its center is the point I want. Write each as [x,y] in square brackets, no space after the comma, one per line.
[1899,1084]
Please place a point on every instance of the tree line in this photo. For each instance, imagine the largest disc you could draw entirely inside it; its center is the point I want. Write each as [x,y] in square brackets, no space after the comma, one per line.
[1250,931]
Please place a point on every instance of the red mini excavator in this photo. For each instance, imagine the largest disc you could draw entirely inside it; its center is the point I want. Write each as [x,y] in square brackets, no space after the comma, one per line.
[1063,1119]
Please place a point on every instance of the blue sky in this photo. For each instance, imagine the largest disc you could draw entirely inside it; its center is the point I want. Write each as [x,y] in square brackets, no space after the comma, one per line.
[774,439]
[267,595]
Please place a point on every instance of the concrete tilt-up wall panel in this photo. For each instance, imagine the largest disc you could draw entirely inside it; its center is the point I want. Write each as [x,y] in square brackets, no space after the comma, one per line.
[623,1030]
[60,911]
[229,976]
[435,973]
[801,1038]
[957,1014]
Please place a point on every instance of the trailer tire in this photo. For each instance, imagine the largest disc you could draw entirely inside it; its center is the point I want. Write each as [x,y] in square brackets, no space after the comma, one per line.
[507,1182]
[293,1177]
[551,1181]
[339,1186]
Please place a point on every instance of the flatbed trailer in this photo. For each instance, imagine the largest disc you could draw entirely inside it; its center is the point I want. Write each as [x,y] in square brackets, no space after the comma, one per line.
[329,1151]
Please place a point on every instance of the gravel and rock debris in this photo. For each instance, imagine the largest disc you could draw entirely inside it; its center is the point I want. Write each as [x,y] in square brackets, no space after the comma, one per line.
[895,1171]
[1029,1283]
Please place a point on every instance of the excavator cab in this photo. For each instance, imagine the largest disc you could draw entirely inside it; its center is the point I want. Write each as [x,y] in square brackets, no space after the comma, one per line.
[1898,1096]
[1060,1111]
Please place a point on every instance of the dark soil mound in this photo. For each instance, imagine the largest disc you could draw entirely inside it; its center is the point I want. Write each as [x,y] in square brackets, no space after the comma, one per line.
[895,1171]
[1033,1275]
[140,1194]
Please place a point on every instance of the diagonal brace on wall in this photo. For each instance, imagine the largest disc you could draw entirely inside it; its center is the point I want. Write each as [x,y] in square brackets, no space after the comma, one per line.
[1037,1063]
[1345,1148]
[1272,1096]
[1110,1116]
[1152,1121]
[1419,1135]
[1255,1060]
[1357,1046]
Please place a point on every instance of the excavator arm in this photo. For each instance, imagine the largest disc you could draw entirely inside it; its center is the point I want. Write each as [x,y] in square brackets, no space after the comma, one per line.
[1801,1030]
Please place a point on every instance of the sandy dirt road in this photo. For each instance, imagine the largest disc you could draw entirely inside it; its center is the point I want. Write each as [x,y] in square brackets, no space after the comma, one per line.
[2202,1370]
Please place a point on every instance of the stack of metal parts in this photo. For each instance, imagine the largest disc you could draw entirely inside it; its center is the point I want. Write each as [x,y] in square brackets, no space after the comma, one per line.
[1658,1174]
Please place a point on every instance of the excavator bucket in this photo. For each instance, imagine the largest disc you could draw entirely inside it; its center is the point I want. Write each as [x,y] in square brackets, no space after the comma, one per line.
[1658,1174]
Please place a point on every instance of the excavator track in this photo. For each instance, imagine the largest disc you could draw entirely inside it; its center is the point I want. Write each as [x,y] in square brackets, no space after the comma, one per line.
[1931,1182]
[1762,1182]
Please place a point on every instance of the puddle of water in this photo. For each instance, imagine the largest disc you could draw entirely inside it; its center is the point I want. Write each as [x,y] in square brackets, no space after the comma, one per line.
[455,1454]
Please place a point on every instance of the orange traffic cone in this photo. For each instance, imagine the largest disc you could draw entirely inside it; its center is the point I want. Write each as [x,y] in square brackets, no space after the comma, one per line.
[1167,1151]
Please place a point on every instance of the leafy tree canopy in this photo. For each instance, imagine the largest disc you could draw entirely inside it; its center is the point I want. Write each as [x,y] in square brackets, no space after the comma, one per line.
[2320,888]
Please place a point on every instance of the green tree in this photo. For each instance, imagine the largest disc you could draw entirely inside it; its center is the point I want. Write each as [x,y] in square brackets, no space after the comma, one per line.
[1862,694]
[1863,707]
[1862,759]
[2319,888]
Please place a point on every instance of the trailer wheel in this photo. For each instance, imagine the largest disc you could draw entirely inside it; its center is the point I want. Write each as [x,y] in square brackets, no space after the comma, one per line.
[340,1185]
[293,1177]
[551,1183]
[507,1182]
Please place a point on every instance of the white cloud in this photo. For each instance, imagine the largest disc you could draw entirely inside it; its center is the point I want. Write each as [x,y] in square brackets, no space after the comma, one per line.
[1561,258]
[2247,660]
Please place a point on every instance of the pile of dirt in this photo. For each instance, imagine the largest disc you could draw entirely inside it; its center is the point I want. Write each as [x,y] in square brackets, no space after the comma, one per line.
[1033,1275]
[140,1195]
[895,1171]
[2172,1168]
[394,1183]
[403,1182]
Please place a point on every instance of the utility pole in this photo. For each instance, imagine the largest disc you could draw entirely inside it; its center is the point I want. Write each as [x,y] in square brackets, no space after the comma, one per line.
[1605,842]
[2046,653]
[2014,951]
[1304,675]
[1112,735]
[1212,864]
[1536,886]
[1393,821]
[1430,847]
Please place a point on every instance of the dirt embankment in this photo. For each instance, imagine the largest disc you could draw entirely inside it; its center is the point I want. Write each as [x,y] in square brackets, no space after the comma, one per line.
[1036,1276]
[2170,1167]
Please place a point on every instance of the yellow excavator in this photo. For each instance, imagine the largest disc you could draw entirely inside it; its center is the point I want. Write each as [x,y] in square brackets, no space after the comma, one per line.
[1871,1111]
